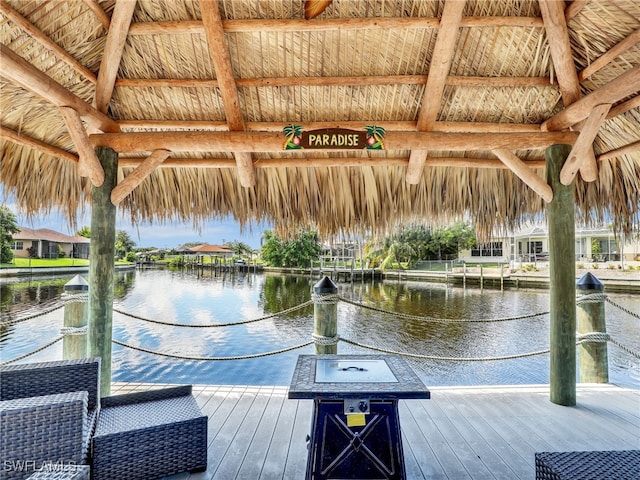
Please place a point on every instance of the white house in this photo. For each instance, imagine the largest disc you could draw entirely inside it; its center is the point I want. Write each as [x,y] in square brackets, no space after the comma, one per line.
[531,244]
[45,243]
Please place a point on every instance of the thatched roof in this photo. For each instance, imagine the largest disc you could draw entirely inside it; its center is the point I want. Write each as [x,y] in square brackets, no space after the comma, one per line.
[468,94]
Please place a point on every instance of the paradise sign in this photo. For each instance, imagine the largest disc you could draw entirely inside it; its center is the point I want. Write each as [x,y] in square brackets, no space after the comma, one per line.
[333,138]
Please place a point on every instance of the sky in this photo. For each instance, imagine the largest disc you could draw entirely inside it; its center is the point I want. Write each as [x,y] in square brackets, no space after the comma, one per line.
[167,235]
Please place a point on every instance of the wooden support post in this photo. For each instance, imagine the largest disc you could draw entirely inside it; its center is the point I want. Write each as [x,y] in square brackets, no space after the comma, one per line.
[101,266]
[74,345]
[325,316]
[561,219]
[594,364]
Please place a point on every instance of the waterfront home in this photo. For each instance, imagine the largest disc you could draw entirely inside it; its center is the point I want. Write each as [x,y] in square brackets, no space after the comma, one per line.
[46,243]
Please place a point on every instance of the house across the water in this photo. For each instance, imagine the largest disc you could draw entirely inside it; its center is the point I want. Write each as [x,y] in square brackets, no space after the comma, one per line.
[532,245]
[46,243]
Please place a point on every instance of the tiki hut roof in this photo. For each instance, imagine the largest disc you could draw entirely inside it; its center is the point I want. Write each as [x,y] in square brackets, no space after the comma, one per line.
[449,106]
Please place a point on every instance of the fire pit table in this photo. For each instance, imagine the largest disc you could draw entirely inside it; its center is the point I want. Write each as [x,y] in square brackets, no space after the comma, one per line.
[355,430]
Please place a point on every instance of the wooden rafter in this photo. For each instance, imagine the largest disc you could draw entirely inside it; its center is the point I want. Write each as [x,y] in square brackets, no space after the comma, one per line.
[135,178]
[116,38]
[438,72]
[525,173]
[315,162]
[574,8]
[22,73]
[453,127]
[295,25]
[452,80]
[617,152]
[219,52]
[88,164]
[43,147]
[583,144]
[624,107]
[614,52]
[272,142]
[626,85]
[45,41]
[555,24]
[99,13]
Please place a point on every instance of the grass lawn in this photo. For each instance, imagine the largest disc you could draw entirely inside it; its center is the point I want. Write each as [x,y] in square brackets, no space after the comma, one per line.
[46,262]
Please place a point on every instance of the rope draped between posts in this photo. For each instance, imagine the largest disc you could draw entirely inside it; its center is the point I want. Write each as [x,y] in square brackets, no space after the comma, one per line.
[600,337]
[449,359]
[626,310]
[64,300]
[39,349]
[237,357]
[216,325]
[441,320]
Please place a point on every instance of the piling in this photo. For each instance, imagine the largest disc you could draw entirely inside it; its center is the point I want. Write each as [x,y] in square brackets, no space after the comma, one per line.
[562,281]
[74,343]
[590,316]
[325,316]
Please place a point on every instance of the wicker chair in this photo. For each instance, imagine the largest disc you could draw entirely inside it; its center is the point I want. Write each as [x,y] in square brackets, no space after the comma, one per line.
[48,412]
[148,435]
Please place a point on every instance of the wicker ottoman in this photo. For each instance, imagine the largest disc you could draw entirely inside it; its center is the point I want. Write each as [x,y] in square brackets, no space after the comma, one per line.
[149,435]
[609,465]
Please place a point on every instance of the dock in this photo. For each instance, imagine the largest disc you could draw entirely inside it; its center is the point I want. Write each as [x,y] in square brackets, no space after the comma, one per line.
[488,432]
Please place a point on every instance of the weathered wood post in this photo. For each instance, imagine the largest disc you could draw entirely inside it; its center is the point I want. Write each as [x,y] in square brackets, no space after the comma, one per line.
[101,266]
[74,344]
[562,265]
[325,316]
[594,364]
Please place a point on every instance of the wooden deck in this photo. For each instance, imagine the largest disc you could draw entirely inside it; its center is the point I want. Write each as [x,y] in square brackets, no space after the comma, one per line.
[461,433]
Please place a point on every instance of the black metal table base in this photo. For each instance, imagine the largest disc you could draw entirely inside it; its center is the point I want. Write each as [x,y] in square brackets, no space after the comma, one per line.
[370,451]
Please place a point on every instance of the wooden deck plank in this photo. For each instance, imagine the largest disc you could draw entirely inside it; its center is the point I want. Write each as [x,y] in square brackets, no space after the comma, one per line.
[462,432]
[234,457]
[263,436]
[490,448]
[276,459]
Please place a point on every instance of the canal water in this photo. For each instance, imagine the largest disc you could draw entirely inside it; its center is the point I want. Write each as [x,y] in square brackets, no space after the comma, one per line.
[184,298]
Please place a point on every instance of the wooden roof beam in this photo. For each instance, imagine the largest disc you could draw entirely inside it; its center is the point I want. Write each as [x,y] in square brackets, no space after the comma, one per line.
[219,126]
[99,13]
[630,148]
[45,41]
[574,8]
[438,72]
[526,174]
[626,85]
[584,144]
[555,24]
[17,70]
[614,52]
[315,162]
[272,141]
[88,165]
[453,80]
[219,52]
[112,54]
[135,178]
[329,24]
[31,142]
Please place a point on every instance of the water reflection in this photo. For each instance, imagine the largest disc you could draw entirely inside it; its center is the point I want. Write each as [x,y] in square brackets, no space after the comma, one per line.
[206,299]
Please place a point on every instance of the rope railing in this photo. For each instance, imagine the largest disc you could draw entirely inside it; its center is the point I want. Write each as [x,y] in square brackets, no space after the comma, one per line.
[409,316]
[216,325]
[236,357]
[591,337]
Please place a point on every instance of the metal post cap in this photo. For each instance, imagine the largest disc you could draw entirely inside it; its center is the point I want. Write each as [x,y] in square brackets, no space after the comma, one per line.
[588,281]
[325,285]
[77,283]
